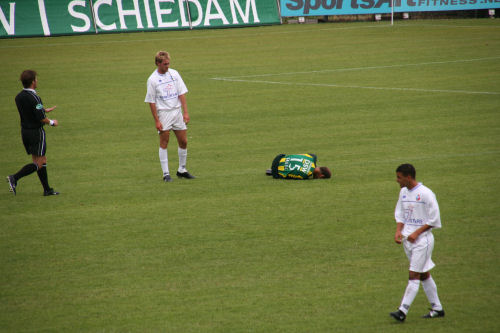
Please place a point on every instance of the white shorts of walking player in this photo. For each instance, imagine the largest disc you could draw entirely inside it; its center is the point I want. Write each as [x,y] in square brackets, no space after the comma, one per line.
[172,120]
[419,253]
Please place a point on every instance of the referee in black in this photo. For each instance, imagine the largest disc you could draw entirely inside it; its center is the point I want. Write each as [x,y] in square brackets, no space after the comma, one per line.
[33,118]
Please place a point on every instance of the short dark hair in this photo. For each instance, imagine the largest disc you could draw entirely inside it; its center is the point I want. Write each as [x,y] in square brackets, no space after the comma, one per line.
[407,170]
[27,77]
[325,172]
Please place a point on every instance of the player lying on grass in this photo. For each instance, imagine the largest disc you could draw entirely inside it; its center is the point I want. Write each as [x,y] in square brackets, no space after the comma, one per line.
[297,166]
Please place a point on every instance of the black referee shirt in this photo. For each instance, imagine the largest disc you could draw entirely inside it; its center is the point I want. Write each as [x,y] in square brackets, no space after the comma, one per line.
[30,108]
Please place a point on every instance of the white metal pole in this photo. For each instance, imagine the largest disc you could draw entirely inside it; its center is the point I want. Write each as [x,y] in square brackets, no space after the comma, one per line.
[279,11]
[392,12]
[93,15]
[189,15]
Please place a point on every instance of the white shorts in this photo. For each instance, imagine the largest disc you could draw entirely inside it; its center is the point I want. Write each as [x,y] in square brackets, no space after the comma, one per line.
[172,120]
[419,253]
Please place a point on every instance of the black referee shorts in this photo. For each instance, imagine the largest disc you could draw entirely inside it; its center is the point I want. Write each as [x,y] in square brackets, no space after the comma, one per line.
[34,141]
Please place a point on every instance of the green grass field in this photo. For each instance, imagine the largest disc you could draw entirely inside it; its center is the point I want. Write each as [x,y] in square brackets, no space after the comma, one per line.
[235,251]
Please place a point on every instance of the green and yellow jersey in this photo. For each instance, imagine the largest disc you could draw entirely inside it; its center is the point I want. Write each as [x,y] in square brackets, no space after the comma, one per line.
[297,166]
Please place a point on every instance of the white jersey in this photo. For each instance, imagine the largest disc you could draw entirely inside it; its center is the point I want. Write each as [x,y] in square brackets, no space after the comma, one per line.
[417,207]
[164,90]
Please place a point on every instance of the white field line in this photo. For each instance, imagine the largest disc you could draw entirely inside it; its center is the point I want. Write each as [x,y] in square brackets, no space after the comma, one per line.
[216,34]
[357,68]
[363,87]
[244,78]
[418,158]
[220,34]
[449,26]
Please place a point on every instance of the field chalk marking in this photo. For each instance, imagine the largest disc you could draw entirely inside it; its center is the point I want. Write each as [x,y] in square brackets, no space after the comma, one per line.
[358,68]
[243,78]
[364,87]
[219,34]
[420,158]
[214,34]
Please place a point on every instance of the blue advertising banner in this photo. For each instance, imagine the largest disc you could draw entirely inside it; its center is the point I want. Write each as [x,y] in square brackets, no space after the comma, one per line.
[355,7]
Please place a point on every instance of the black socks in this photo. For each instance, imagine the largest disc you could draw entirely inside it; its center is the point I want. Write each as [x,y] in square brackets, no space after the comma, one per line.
[26,170]
[42,174]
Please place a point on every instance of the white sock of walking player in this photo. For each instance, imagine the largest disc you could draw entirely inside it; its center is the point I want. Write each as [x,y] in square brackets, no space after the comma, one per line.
[410,293]
[182,159]
[430,289]
[164,161]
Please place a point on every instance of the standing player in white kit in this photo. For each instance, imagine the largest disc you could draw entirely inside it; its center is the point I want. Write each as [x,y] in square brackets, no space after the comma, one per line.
[166,96]
[417,212]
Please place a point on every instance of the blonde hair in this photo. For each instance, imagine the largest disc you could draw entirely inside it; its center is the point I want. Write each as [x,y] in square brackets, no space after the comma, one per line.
[160,56]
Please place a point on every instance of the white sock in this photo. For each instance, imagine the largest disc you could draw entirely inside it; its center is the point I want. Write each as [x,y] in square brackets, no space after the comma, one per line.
[182,159]
[430,289]
[164,160]
[410,293]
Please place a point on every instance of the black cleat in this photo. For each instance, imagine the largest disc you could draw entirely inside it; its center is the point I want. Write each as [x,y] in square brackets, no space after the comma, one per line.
[398,315]
[269,172]
[434,314]
[12,184]
[185,175]
[167,179]
[50,192]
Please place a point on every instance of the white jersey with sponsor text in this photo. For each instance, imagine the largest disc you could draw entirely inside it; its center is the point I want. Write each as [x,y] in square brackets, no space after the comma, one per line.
[164,90]
[417,207]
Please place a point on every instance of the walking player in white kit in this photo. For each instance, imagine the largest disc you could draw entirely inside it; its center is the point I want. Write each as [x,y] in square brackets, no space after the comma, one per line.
[417,212]
[166,97]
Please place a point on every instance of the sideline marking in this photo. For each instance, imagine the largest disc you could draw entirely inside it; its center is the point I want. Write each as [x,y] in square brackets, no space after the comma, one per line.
[403,25]
[242,78]
[362,87]
[422,158]
[219,35]
[357,68]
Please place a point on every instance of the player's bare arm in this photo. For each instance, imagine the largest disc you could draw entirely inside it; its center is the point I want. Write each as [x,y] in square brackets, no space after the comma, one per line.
[398,236]
[158,125]
[413,237]
[185,113]
[50,109]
